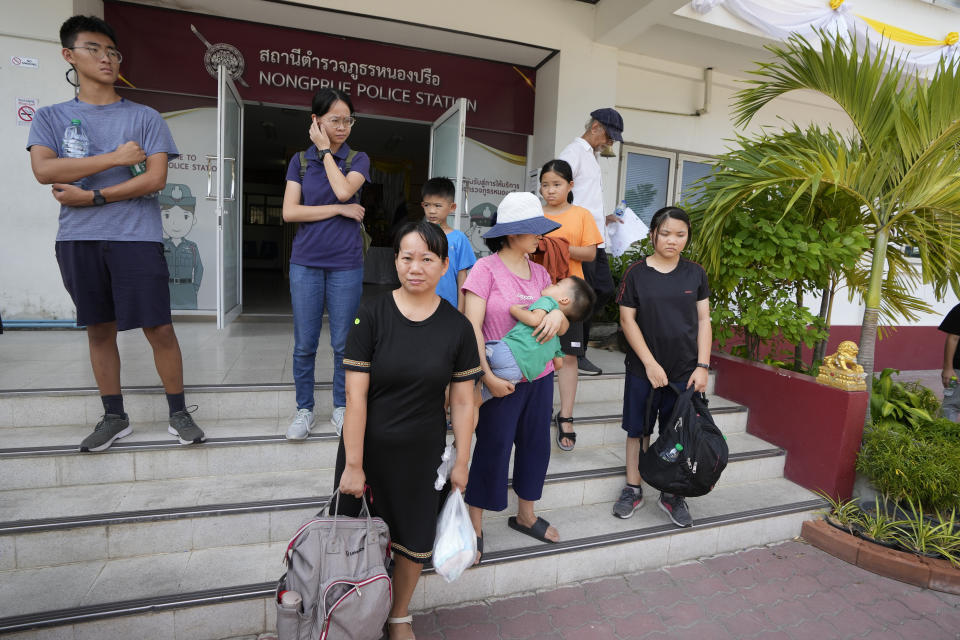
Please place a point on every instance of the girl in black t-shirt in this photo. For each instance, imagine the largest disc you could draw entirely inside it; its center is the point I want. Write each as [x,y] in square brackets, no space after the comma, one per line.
[665,316]
[403,350]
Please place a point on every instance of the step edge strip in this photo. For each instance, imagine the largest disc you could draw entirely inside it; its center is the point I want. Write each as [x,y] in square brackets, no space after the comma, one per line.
[20,527]
[161,445]
[90,613]
[202,388]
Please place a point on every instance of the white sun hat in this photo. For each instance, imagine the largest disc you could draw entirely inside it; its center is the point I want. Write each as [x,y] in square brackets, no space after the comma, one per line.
[520,212]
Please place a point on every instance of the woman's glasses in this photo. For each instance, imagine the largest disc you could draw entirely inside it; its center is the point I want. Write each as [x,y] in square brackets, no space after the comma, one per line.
[341,123]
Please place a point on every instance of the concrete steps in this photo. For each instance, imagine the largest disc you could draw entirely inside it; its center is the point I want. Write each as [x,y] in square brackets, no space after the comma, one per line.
[594,544]
[48,456]
[154,539]
[51,526]
[59,407]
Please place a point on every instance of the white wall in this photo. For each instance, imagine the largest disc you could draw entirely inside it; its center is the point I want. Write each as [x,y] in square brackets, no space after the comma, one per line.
[30,284]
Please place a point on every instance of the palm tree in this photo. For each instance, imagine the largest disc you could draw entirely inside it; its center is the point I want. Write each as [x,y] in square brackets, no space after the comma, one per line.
[898,175]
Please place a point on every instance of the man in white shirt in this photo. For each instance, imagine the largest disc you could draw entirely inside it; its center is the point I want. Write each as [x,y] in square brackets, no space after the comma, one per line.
[603,129]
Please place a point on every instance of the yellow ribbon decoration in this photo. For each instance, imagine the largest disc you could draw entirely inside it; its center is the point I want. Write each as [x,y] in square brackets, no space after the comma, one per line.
[907,37]
[952,39]
[512,158]
[835,4]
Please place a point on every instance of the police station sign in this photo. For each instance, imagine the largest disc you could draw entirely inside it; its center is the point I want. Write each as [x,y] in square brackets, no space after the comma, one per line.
[285,66]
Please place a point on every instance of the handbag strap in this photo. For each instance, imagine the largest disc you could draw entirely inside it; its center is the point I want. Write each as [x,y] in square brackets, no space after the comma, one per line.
[333,547]
[687,394]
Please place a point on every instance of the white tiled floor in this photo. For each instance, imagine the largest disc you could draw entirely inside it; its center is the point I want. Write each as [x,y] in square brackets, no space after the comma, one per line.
[245,352]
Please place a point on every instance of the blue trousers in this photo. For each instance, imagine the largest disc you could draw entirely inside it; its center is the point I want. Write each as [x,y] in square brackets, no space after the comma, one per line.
[311,290]
[518,422]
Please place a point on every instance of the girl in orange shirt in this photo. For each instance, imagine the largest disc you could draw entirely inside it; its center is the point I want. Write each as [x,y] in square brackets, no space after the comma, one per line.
[579,229]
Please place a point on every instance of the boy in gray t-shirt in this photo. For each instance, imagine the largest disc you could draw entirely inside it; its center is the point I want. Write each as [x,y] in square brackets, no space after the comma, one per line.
[109,243]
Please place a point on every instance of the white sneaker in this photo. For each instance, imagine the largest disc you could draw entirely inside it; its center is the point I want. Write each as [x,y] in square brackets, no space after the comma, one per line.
[299,429]
[337,419]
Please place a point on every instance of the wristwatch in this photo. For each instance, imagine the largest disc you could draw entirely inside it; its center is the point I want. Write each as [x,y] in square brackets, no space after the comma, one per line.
[703,365]
[98,199]
[322,153]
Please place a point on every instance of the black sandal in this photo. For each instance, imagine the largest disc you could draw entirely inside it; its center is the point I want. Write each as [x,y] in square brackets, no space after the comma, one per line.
[561,434]
[479,551]
[538,530]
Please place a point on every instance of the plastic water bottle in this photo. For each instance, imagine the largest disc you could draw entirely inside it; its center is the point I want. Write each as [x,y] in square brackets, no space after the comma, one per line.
[949,389]
[671,455]
[620,209]
[75,144]
[290,600]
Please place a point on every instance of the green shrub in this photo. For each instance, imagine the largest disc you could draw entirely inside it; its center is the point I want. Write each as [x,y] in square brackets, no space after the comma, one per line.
[921,535]
[908,403]
[920,464]
[908,453]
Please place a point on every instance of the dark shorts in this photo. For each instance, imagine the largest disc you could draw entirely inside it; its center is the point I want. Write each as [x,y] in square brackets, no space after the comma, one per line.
[636,392]
[126,282]
[572,342]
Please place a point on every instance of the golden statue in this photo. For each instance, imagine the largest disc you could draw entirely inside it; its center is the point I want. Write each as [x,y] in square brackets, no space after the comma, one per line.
[841,369]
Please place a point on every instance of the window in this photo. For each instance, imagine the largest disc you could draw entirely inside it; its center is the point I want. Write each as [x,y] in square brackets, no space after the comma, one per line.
[646,179]
[692,168]
[651,178]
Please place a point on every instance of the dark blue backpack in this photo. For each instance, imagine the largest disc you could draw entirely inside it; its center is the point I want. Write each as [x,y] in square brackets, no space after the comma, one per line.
[703,457]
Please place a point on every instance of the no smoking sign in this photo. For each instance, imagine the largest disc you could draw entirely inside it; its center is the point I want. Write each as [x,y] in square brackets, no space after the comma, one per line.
[26,110]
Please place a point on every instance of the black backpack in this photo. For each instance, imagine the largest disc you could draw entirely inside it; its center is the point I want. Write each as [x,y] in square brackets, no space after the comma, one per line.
[703,457]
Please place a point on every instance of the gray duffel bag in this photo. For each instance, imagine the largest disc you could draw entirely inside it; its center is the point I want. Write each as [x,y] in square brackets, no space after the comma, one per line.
[337,566]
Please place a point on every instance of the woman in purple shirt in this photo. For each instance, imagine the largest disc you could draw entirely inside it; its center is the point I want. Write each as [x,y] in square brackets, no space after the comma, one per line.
[326,265]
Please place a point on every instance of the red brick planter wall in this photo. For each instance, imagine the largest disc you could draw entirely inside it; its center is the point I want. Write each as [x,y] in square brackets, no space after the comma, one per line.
[820,427]
[929,573]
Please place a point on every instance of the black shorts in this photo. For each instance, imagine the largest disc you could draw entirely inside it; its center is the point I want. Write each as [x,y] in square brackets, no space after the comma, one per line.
[572,342]
[126,282]
[636,391]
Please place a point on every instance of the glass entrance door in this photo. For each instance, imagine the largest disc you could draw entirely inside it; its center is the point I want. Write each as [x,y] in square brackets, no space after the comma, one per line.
[447,135]
[228,195]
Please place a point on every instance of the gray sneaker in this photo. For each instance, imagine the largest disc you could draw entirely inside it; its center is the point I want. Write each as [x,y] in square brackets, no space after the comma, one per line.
[337,419]
[299,429]
[110,427]
[628,502]
[676,508]
[186,430]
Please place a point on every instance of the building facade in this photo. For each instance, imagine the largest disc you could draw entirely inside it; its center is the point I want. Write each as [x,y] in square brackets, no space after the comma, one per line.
[530,71]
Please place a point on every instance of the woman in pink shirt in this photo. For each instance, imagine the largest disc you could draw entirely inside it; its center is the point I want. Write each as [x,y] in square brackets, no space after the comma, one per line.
[517,415]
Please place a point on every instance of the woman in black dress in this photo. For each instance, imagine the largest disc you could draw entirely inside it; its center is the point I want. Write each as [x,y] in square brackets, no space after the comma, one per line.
[403,350]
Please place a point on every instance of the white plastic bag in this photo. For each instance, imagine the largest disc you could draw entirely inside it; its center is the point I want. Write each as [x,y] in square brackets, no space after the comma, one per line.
[447,460]
[455,547]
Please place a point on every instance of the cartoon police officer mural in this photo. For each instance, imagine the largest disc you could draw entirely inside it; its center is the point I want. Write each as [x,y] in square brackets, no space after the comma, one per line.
[178,215]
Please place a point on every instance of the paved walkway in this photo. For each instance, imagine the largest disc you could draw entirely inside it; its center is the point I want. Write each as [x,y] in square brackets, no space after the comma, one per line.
[789,591]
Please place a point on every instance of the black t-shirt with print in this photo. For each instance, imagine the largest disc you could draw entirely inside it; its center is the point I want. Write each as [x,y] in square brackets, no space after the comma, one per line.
[666,305]
[951,324]
[410,364]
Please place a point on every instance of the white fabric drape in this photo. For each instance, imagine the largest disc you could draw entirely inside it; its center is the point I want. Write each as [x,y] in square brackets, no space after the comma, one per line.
[782,18]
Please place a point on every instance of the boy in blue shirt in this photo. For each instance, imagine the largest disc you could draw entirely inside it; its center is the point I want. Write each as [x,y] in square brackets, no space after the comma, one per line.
[438,197]
[109,239]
